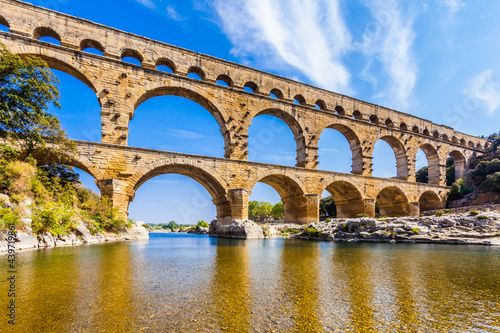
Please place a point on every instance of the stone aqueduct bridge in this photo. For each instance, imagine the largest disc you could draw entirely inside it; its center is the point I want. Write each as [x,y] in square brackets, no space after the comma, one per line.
[121,87]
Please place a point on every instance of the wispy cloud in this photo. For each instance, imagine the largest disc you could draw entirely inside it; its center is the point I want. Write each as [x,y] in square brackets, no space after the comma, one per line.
[174,14]
[147,3]
[178,133]
[309,35]
[452,5]
[483,88]
[390,42]
[332,150]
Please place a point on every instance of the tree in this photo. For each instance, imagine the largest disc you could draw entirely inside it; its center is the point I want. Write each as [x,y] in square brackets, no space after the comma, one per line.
[422,175]
[258,209]
[327,207]
[27,89]
[278,211]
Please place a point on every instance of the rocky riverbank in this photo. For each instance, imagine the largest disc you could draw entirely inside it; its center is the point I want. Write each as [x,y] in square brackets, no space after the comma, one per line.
[81,235]
[481,228]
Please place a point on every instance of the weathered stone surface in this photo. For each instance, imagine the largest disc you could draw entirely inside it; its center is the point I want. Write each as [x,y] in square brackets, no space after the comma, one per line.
[121,87]
[237,229]
[138,231]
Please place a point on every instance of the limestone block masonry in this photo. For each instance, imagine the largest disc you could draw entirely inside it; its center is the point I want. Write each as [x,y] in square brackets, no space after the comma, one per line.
[121,87]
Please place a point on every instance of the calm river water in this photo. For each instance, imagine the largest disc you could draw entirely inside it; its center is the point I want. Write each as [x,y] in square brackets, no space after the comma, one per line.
[188,283]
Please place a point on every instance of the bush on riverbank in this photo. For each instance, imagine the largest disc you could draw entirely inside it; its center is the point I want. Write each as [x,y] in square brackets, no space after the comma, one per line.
[52,197]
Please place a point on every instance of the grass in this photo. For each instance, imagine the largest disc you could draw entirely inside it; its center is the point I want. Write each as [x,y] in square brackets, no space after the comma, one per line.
[415,231]
[473,213]
[439,213]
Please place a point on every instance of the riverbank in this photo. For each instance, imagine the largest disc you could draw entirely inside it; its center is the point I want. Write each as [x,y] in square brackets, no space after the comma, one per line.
[472,228]
[81,235]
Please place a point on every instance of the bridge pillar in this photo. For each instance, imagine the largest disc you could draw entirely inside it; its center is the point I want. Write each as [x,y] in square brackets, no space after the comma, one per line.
[350,209]
[400,209]
[116,190]
[307,156]
[301,209]
[238,198]
[369,207]
[362,165]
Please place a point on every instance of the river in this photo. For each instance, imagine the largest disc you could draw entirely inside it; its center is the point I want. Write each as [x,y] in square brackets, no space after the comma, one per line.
[191,283]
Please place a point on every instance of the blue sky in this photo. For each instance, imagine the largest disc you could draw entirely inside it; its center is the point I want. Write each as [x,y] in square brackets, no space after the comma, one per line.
[436,59]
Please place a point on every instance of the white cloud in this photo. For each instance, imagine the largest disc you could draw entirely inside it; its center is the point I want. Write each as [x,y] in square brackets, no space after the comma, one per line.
[483,88]
[173,14]
[147,3]
[309,35]
[390,39]
[452,5]
[178,133]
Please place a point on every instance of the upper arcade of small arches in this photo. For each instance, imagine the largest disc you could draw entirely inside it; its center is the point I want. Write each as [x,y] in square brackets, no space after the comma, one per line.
[26,19]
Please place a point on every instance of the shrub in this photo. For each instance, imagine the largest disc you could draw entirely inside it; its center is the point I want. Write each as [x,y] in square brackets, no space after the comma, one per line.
[473,213]
[439,213]
[54,218]
[361,215]
[310,231]
[202,224]
[482,217]
[447,210]
[414,231]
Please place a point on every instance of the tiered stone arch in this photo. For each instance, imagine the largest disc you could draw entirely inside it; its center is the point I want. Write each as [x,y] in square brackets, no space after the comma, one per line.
[347,198]
[355,145]
[393,201]
[199,96]
[208,177]
[295,126]
[293,195]
[429,200]
[60,61]
[402,163]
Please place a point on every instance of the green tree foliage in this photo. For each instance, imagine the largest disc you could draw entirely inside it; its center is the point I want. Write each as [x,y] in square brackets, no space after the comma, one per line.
[459,190]
[27,89]
[202,224]
[327,207]
[422,175]
[450,171]
[258,209]
[172,225]
[278,211]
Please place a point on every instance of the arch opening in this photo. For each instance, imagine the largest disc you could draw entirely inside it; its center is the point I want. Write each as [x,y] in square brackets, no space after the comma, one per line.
[264,204]
[274,137]
[455,167]
[337,145]
[429,201]
[415,129]
[374,119]
[276,93]
[196,73]
[194,197]
[320,104]
[340,110]
[357,115]
[165,65]
[224,80]
[426,132]
[445,138]
[46,34]
[421,167]
[347,199]
[292,196]
[388,150]
[389,123]
[391,201]
[299,99]
[132,57]
[82,120]
[92,46]
[251,87]
[432,156]
[183,121]
[65,67]
[4,24]
[403,127]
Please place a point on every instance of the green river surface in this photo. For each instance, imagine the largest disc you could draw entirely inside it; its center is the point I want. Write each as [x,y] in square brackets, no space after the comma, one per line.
[190,283]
